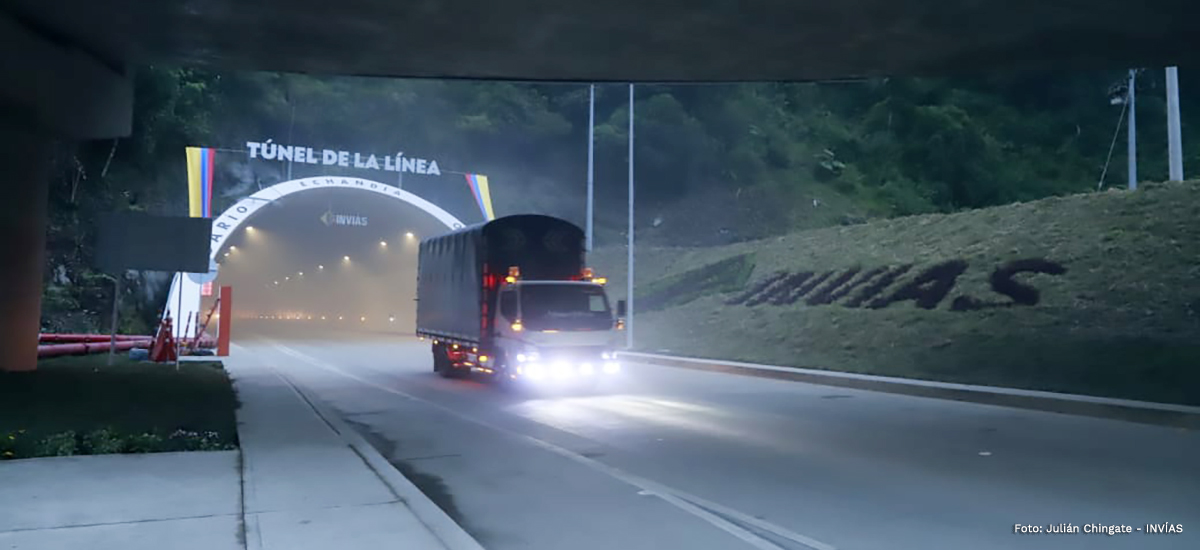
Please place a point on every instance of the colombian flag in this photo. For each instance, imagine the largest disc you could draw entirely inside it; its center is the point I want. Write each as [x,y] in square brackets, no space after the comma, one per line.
[200,181]
[483,196]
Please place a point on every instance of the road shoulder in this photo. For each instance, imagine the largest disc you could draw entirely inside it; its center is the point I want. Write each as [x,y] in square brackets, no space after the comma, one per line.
[1158,414]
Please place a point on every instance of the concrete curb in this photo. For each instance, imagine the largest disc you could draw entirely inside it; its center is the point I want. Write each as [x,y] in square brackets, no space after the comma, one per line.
[448,531]
[1142,412]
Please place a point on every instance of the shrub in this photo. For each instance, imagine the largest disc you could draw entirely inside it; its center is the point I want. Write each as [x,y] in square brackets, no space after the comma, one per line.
[196,441]
[102,442]
[8,444]
[143,443]
[60,444]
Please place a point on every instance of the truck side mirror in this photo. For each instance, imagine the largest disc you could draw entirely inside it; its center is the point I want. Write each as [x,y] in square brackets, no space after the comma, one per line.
[620,308]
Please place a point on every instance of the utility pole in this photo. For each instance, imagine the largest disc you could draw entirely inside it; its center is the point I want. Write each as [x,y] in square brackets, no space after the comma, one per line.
[629,278]
[591,161]
[1174,135]
[1131,98]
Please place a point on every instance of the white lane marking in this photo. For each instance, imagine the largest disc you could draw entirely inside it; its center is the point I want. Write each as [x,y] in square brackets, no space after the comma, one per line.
[688,503]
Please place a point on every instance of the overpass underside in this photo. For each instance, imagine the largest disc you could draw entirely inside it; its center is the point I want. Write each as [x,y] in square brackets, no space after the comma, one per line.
[65,64]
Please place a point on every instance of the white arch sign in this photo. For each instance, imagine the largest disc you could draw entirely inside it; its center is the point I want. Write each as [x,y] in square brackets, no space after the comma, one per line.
[235,216]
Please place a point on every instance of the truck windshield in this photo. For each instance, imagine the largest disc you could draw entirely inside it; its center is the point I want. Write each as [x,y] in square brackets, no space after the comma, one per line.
[565,307]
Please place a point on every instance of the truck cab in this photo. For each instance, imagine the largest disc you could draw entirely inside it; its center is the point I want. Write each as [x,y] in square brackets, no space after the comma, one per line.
[555,329]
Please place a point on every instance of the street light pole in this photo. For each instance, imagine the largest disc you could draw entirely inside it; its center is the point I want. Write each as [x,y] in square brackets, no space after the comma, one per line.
[591,161]
[1131,99]
[629,278]
[1174,135]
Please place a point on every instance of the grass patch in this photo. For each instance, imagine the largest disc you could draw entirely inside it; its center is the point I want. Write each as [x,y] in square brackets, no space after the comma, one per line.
[726,275]
[79,405]
[1093,294]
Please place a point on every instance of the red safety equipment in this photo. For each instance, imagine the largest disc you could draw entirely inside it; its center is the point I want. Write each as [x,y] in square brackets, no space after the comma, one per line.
[163,349]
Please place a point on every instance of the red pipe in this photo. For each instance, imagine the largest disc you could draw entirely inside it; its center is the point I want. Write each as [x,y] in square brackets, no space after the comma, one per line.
[93,338]
[87,337]
[86,348]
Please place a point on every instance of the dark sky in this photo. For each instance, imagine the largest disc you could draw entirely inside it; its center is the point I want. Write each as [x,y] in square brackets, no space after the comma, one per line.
[289,238]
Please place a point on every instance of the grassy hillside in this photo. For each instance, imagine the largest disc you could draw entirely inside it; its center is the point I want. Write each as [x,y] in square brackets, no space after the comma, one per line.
[1096,294]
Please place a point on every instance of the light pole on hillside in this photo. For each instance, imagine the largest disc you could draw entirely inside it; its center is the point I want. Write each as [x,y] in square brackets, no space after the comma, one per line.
[591,161]
[629,277]
[1131,104]
[1174,137]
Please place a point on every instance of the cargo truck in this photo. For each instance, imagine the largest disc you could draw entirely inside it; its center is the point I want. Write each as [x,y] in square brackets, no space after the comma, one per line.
[513,299]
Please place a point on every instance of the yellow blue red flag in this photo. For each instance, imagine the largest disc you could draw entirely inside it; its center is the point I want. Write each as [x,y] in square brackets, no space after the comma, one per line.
[200,181]
[483,195]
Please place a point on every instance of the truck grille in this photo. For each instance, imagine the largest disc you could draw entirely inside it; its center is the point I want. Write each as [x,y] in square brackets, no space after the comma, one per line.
[572,352]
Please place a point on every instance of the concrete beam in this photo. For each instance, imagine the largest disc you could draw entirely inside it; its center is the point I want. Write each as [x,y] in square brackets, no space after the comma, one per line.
[51,86]
[631,40]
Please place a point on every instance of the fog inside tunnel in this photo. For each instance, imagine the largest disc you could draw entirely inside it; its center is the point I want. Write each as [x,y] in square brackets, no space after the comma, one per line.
[343,257]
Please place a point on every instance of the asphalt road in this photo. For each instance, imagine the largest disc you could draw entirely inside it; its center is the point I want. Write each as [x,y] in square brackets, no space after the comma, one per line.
[671,458]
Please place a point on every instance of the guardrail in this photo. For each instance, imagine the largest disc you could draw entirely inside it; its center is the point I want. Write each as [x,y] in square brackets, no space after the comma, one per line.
[1143,412]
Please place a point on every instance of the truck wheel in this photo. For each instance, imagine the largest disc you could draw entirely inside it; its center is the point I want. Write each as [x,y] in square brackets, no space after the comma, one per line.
[441,362]
[503,380]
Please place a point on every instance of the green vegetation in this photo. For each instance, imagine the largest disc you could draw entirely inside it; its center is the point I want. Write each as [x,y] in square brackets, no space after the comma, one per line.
[726,275]
[715,163]
[79,405]
[1123,320]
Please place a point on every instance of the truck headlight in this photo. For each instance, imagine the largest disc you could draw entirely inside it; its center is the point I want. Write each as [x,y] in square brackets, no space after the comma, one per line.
[586,368]
[612,367]
[608,355]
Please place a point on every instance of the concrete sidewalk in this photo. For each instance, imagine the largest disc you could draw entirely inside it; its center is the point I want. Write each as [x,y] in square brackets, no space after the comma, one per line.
[302,480]
[309,483]
[184,501]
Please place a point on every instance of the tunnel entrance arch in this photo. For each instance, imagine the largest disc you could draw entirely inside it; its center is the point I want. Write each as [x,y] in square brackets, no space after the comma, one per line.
[185,291]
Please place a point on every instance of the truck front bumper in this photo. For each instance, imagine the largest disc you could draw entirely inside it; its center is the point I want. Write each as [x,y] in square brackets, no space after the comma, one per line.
[564,366]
